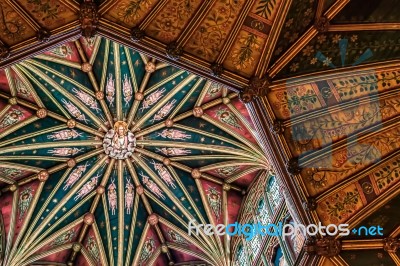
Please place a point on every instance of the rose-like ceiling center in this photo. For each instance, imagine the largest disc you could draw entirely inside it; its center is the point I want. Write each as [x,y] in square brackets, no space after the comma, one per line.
[119,142]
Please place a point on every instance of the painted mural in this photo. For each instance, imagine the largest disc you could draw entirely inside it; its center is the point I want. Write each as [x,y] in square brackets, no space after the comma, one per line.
[123,154]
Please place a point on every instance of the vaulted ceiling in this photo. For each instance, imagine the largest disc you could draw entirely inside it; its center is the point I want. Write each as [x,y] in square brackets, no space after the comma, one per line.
[320,77]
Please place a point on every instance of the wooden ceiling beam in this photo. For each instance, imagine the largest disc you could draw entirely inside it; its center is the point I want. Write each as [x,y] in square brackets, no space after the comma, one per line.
[360,244]
[320,26]
[364,27]
[272,38]
[320,9]
[153,13]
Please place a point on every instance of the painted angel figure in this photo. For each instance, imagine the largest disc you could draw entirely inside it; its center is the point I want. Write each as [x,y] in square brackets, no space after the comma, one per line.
[64,238]
[86,99]
[63,51]
[214,89]
[74,111]
[21,88]
[174,134]
[148,248]
[75,175]
[152,186]
[110,89]
[177,238]
[152,99]
[228,170]
[129,195]
[10,172]
[164,111]
[127,89]
[164,174]
[174,151]
[86,188]
[65,134]
[64,151]
[25,198]
[93,249]
[112,197]
[11,118]
[227,117]
[214,199]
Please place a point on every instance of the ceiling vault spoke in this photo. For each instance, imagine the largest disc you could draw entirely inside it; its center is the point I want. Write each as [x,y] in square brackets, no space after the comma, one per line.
[26,82]
[365,27]
[10,235]
[320,9]
[272,38]
[163,101]
[139,94]
[118,89]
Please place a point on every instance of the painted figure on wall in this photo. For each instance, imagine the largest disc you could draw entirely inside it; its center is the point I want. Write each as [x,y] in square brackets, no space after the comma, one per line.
[152,186]
[64,238]
[11,118]
[174,134]
[64,51]
[127,89]
[152,99]
[226,116]
[148,248]
[129,195]
[228,170]
[25,198]
[177,238]
[164,174]
[164,111]
[86,188]
[174,151]
[10,172]
[87,99]
[110,90]
[64,151]
[74,111]
[93,248]
[214,199]
[112,197]
[75,175]
[65,134]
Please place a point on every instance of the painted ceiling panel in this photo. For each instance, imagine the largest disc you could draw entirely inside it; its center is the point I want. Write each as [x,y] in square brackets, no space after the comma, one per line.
[373,11]
[343,49]
[83,199]
[376,257]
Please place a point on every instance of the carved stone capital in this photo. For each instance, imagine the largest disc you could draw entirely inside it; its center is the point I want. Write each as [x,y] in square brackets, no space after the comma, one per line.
[277,127]
[89,17]
[217,69]
[43,35]
[322,24]
[391,245]
[310,204]
[4,51]
[137,34]
[174,51]
[326,247]
[257,87]
[292,166]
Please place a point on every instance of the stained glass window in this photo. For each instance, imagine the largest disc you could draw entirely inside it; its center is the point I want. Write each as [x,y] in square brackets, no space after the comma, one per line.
[273,192]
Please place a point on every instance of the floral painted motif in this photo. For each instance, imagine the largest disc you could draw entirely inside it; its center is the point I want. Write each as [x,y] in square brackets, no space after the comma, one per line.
[210,36]
[10,172]
[130,11]
[387,175]
[171,22]
[242,57]
[11,24]
[93,248]
[47,10]
[340,206]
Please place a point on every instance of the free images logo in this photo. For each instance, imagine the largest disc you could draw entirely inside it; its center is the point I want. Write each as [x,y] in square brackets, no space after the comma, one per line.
[280,229]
